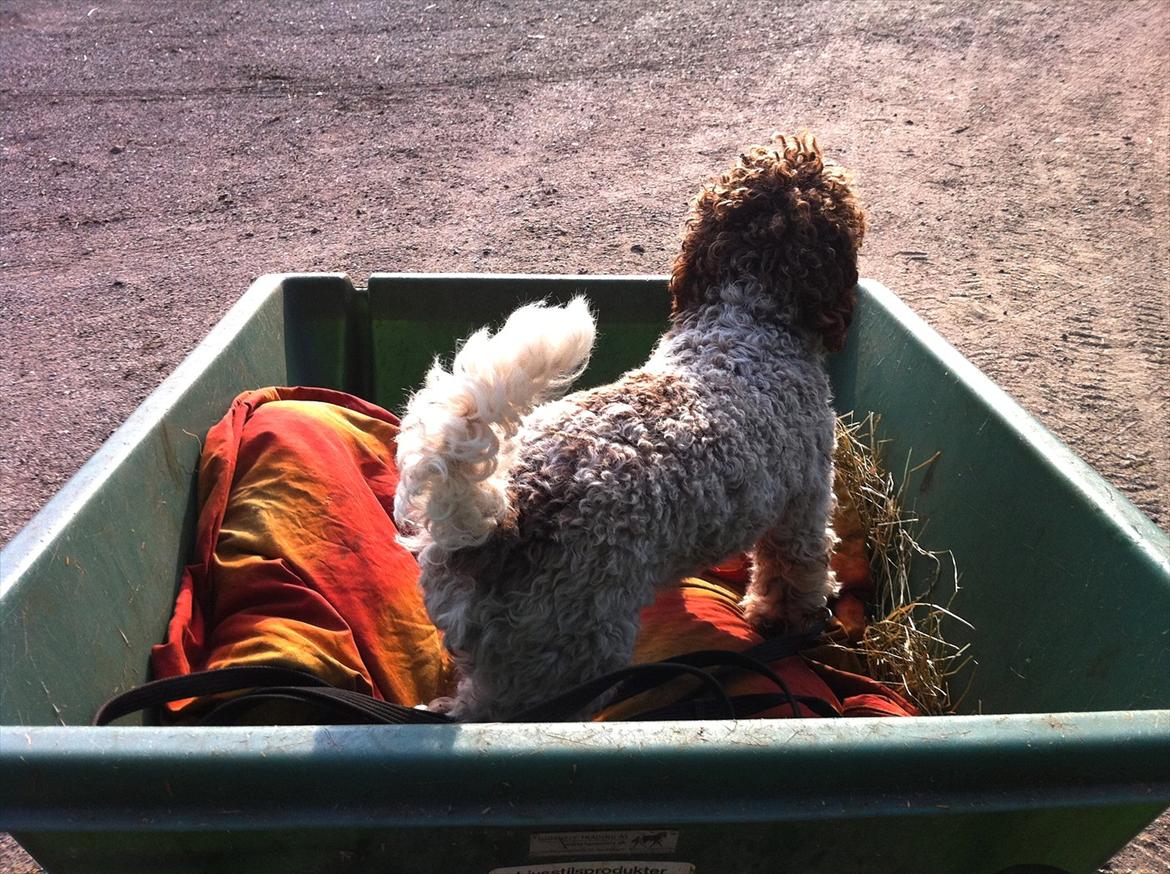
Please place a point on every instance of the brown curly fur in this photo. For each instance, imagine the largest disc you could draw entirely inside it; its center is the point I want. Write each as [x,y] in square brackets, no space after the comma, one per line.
[784,217]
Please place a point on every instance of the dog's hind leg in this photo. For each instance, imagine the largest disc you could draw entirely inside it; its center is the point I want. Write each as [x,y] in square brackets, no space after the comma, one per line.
[531,647]
[791,579]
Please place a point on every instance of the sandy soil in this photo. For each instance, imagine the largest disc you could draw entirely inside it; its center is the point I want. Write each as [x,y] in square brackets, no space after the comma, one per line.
[157,157]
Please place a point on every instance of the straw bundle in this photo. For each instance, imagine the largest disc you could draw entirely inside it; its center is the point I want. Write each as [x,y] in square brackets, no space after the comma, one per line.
[903,646]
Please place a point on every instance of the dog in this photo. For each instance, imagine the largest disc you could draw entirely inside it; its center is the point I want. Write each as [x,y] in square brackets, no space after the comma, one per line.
[543,523]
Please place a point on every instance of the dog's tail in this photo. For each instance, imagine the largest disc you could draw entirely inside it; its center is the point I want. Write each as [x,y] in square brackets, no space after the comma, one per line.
[454,447]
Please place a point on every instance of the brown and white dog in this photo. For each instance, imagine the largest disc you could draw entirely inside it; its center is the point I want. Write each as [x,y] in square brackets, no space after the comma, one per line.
[543,524]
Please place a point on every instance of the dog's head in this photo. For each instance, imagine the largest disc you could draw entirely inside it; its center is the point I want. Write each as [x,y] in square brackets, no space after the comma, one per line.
[783,217]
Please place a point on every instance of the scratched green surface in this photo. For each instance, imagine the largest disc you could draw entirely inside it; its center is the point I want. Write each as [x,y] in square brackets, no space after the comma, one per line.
[1065,583]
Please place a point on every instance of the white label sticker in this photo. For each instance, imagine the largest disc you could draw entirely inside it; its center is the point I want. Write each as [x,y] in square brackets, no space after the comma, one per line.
[605,843]
[624,867]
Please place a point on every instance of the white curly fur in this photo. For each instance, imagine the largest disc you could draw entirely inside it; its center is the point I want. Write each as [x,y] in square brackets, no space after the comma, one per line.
[455,443]
[537,557]
[543,528]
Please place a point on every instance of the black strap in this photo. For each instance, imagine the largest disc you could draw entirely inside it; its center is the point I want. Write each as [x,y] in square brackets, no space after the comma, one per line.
[754,659]
[199,683]
[775,648]
[746,707]
[571,703]
[347,707]
[260,683]
[265,683]
[723,658]
[636,679]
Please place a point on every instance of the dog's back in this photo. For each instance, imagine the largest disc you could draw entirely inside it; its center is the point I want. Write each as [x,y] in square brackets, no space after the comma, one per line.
[723,440]
[619,490]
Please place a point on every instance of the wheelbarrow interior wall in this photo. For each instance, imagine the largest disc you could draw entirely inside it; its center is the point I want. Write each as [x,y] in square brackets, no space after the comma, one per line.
[1063,582]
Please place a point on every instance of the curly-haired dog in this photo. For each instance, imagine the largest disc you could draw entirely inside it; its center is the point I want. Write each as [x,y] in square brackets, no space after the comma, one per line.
[542,526]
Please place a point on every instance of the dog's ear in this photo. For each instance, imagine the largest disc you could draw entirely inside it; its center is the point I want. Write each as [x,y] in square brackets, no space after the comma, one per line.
[783,217]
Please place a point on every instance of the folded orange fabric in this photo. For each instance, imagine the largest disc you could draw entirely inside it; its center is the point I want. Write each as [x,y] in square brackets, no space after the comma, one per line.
[703,613]
[296,564]
[295,558]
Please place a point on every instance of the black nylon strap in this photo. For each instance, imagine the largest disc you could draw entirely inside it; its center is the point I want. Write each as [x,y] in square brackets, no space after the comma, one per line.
[753,659]
[195,685]
[356,707]
[722,658]
[266,682]
[636,679]
[775,648]
[569,704]
[746,706]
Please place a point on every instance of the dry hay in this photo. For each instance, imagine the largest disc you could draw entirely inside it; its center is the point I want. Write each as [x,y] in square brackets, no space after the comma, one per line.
[904,646]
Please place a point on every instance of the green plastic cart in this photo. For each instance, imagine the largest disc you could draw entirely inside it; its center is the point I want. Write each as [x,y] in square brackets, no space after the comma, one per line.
[1063,754]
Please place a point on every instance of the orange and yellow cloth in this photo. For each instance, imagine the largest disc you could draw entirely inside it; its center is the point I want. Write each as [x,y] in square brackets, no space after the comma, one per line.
[296,564]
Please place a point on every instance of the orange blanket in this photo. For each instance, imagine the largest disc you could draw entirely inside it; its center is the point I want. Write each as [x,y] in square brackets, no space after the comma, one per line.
[296,564]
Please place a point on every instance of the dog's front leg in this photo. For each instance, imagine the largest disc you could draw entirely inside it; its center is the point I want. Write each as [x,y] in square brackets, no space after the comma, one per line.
[791,579]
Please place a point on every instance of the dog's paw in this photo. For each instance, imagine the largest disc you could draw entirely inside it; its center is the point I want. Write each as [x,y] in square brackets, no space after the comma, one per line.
[444,706]
[801,621]
[763,614]
[788,615]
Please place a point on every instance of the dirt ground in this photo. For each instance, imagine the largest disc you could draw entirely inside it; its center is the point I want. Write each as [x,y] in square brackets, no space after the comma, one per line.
[157,157]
